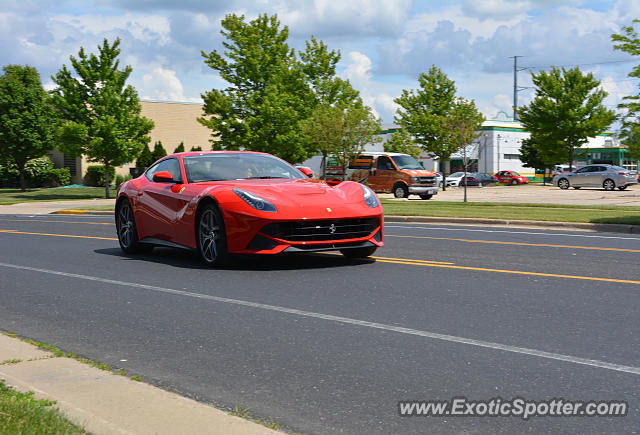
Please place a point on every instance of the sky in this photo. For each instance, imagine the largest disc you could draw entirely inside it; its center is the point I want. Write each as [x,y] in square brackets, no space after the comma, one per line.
[384,44]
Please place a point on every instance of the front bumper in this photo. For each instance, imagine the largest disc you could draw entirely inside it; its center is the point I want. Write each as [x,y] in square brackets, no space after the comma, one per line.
[417,190]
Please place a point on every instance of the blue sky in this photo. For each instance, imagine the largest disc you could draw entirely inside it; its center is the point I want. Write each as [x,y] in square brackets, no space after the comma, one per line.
[384,44]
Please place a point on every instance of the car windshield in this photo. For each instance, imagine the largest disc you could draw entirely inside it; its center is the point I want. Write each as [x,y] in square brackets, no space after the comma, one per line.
[237,166]
[457,174]
[515,174]
[406,162]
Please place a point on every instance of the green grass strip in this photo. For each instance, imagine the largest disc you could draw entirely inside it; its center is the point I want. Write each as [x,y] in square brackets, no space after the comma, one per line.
[515,211]
[15,196]
[21,413]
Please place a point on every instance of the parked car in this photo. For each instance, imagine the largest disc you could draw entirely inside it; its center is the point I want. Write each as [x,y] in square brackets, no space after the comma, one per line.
[223,202]
[485,179]
[606,176]
[395,173]
[511,177]
[439,179]
[454,179]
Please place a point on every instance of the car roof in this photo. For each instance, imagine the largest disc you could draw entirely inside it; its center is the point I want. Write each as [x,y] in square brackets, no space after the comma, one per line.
[200,153]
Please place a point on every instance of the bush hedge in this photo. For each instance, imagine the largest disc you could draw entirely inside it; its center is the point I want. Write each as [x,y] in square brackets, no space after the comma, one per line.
[37,172]
[95,176]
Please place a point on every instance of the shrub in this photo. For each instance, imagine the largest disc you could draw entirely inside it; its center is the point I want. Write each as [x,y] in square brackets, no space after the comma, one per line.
[9,176]
[158,152]
[36,171]
[95,175]
[194,148]
[58,177]
[122,178]
[179,148]
[145,159]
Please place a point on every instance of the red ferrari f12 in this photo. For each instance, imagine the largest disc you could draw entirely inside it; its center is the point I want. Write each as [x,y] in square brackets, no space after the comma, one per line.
[224,202]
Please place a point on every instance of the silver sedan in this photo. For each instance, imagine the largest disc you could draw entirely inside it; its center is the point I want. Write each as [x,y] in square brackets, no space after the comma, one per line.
[607,177]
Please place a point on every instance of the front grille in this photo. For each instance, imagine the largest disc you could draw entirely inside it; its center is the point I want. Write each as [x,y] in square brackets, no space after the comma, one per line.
[425,180]
[313,231]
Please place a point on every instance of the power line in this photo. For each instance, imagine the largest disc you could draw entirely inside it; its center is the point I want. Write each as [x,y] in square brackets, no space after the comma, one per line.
[582,64]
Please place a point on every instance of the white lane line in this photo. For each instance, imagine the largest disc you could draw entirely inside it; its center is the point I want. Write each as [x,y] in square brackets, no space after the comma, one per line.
[511,232]
[349,321]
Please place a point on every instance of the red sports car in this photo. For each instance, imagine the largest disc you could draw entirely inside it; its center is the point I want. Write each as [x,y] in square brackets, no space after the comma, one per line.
[511,177]
[224,202]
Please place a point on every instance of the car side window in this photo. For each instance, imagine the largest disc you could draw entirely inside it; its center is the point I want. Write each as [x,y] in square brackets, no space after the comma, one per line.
[384,162]
[170,165]
[584,170]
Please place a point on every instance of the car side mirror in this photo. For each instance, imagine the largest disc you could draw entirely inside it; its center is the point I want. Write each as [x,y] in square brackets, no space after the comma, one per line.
[306,171]
[163,177]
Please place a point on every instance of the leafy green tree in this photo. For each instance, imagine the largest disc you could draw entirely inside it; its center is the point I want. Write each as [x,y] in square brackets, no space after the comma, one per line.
[533,154]
[158,151]
[402,142]
[179,148]
[271,91]
[198,148]
[27,119]
[629,42]
[101,113]
[566,111]
[429,112]
[145,159]
[341,131]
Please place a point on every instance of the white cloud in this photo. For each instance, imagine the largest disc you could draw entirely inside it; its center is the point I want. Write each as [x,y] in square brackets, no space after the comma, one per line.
[143,27]
[162,84]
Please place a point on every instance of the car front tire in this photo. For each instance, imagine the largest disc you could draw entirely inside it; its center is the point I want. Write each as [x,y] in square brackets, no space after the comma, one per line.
[514,182]
[425,196]
[400,191]
[211,235]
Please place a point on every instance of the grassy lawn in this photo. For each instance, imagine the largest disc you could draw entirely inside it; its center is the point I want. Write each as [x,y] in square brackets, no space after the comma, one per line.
[536,212]
[21,413]
[14,196]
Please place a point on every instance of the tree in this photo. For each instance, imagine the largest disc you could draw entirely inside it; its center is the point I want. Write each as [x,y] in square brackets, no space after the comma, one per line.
[566,111]
[463,123]
[194,148]
[101,113]
[427,114]
[179,148]
[341,131]
[630,132]
[402,142]
[534,155]
[27,120]
[271,91]
[145,159]
[158,152]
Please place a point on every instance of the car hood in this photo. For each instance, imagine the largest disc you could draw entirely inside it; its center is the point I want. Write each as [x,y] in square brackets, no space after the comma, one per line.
[305,195]
[418,172]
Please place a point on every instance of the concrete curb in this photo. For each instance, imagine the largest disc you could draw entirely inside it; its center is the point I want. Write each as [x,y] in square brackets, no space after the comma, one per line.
[606,228]
[609,228]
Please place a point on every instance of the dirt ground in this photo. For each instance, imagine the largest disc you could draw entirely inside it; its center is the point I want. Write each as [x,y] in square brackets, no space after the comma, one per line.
[532,193]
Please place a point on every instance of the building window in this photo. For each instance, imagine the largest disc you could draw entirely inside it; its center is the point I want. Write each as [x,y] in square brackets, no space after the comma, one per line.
[512,156]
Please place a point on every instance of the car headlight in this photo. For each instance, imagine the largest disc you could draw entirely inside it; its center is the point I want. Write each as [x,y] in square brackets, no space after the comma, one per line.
[255,201]
[370,198]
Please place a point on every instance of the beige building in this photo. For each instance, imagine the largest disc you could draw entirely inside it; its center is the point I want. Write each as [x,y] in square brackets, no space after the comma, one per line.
[174,123]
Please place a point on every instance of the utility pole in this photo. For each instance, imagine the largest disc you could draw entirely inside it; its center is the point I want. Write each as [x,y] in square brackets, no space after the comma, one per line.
[516,89]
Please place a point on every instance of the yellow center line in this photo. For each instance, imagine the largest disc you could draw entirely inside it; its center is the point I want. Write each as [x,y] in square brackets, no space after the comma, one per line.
[62,222]
[57,235]
[544,245]
[407,261]
[391,258]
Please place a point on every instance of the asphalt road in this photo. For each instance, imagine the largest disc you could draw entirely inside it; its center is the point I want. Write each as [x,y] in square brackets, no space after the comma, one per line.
[322,344]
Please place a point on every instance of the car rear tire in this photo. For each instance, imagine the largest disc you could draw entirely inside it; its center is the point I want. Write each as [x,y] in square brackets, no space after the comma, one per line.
[400,191]
[622,187]
[563,183]
[211,236]
[576,187]
[359,252]
[128,231]
[425,196]
[608,184]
